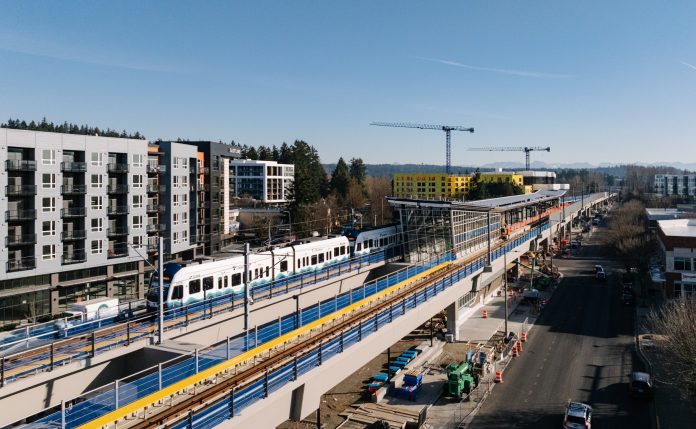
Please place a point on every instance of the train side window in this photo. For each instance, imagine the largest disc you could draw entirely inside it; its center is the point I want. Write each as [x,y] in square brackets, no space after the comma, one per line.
[236,279]
[321,258]
[343,250]
[256,273]
[314,259]
[226,281]
[219,282]
[283,266]
[178,292]
[337,251]
[194,286]
[208,283]
[359,247]
[306,261]
[268,270]
[299,263]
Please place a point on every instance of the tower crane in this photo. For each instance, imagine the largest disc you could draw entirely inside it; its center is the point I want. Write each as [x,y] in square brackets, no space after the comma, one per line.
[525,149]
[446,128]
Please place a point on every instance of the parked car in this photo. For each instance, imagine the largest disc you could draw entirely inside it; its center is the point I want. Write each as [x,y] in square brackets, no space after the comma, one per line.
[577,416]
[640,385]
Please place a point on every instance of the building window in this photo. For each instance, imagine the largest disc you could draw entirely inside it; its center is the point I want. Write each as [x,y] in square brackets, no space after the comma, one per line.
[137,201]
[138,181]
[97,159]
[184,217]
[184,181]
[137,160]
[49,252]
[175,183]
[137,240]
[48,204]
[97,248]
[184,162]
[176,237]
[175,200]
[48,157]
[97,224]
[137,221]
[48,228]
[184,236]
[682,264]
[176,162]
[48,180]
[184,200]
[176,218]
[96,181]
[95,203]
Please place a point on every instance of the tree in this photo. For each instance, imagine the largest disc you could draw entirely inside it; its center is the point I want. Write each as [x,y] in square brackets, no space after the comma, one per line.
[355,197]
[358,170]
[378,188]
[340,179]
[675,323]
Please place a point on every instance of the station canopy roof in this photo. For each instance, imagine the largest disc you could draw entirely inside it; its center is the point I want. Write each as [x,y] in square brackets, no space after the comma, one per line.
[501,204]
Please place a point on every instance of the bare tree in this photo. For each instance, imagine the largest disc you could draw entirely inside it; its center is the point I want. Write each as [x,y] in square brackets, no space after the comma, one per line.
[378,189]
[675,323]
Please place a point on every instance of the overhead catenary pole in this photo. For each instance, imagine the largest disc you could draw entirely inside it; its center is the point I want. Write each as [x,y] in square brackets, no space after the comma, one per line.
[160,255]
[245,276]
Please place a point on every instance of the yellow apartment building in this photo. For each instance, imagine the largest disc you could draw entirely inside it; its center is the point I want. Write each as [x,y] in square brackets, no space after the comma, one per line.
[437,186]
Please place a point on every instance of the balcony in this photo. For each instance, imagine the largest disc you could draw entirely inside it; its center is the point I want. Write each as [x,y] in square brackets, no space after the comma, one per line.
[154,227]
[20,190]
[151,168]
[72,212]
[202,238]
[74,257]
[78,234]
[118,250]
[117,231]
[20,165]
[20,240]
[117,189]
[73,167]
[11,215]
[73,189]
[22,264]
[154,208]
[117,168]
[117,210]
[153,189]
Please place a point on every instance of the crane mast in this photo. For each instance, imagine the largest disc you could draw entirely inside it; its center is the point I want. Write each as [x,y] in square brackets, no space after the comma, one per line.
[446,128]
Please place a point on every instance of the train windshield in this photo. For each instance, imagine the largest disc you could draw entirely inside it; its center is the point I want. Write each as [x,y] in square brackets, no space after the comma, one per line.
[153,291]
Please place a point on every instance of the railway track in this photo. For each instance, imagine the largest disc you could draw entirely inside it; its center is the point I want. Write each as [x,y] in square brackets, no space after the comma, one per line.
[217,387]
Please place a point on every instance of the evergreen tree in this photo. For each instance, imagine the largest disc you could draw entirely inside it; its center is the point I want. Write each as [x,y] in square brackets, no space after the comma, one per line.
[358,170]
[250,153]
[285,155]
[275,153]
[340,178]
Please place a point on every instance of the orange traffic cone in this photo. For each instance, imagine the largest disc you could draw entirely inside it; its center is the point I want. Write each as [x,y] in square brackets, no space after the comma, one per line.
[498,376]
[523,336]
[519,346]
[485,313]
[515,353]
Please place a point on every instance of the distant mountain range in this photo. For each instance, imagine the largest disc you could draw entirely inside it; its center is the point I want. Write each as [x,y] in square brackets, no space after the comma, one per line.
[388,170]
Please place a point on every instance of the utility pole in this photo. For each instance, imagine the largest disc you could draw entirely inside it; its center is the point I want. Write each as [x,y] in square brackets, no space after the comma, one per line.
[505,288]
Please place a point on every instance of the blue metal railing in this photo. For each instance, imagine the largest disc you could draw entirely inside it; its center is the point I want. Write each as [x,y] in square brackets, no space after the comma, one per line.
[149,381]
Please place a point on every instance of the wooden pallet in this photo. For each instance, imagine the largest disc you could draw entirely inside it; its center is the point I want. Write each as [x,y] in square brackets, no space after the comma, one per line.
[369,413]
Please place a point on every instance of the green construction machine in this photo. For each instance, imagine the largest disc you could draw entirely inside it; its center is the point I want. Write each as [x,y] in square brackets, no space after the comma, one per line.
[460,379]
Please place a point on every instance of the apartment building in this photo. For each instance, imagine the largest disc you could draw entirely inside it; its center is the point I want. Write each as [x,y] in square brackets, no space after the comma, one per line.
[679,185]
[437,186]
[79,211]
[215,224]
[264,181]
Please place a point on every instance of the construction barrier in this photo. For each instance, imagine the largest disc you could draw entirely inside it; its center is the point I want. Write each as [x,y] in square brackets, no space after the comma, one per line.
[523,336]
[498,376]
[485,313]
[515,353]
[519,346]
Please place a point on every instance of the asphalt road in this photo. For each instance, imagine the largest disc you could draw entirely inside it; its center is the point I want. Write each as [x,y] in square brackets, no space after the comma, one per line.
[580,349]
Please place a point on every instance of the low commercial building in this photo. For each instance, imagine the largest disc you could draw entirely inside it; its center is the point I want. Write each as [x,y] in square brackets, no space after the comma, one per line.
[677,241]
[441,186]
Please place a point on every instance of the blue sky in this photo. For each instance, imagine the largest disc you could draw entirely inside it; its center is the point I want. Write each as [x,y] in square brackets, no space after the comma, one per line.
[598,81]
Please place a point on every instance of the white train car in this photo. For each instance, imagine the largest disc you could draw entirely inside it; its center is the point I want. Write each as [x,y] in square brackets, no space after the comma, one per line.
[187,284]
[372,240]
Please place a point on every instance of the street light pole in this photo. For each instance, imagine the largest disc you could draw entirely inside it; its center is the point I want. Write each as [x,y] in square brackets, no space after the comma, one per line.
[505,287]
